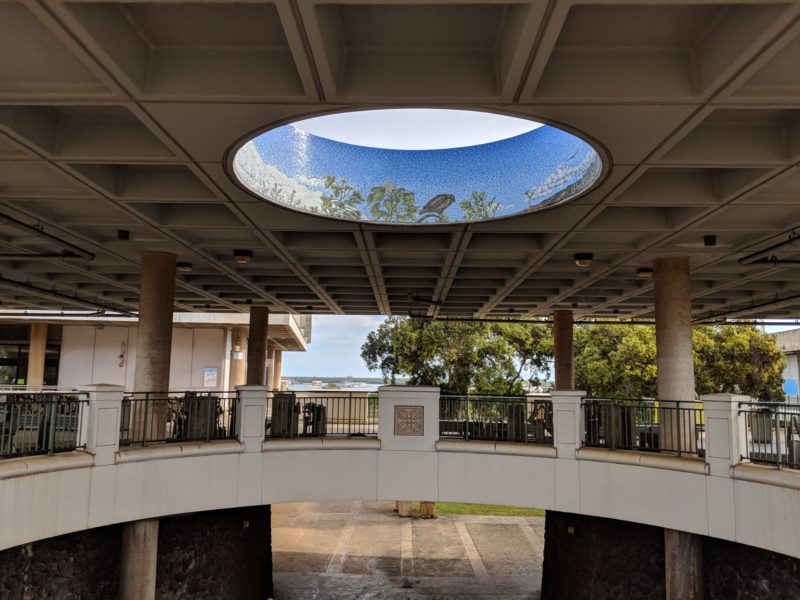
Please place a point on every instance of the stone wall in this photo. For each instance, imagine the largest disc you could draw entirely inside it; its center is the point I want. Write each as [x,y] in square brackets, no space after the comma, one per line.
[738,572]
[219,555]
[590,558]
[78,566]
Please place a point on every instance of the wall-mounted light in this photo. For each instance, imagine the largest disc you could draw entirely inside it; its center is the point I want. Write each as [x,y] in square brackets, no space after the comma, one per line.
[242,256]
[644,272]
[183,267]
[583,259]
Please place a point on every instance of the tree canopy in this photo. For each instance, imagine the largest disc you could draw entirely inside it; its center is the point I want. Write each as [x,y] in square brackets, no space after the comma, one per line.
[610,360]
[460,356]
[620,361]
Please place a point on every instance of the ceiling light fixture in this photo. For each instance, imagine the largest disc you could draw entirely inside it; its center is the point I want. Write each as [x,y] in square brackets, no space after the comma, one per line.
[644,272]
[183,267]
[584,259]
[242,256]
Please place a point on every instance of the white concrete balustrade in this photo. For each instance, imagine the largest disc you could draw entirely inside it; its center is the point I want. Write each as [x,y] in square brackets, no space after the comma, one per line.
[719,495]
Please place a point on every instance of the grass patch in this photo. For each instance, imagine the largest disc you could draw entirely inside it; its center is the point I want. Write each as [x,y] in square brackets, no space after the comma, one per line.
[459,508]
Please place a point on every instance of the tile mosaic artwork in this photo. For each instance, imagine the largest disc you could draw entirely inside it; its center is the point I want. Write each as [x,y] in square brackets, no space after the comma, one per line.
[531,171]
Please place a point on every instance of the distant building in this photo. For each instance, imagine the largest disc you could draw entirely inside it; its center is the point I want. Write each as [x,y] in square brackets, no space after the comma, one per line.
[209,350]
[789,343]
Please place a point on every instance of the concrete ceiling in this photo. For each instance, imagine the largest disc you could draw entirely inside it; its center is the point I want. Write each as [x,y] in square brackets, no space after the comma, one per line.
[121,115]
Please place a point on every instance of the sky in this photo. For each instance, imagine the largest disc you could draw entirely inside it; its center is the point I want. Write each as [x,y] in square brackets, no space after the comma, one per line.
[416,128]
[335,348]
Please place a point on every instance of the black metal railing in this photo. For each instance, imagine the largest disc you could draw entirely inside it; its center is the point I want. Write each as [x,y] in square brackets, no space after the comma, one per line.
[151,417]
[321,414]
[645,425]
[41,423]
[772,433]
[496,418]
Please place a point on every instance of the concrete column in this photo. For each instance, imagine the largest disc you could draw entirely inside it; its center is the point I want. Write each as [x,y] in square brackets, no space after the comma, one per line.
[277,363]
[154,342]
[270,364]
[137,578]
[154,336]
[673,307]
[36,353]
[257,345]
[238,354]
[562,350]
[683,558]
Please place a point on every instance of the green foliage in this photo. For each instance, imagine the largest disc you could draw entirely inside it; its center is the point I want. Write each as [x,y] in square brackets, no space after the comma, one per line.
[620,361]
[477,208]
[391,204]
[460,356]
[340,199]
[616,360]
[738,359]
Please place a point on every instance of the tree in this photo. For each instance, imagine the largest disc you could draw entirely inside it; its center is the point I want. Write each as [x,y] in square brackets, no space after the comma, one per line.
[739,359]
[477,207]
[620,361]
[460,356]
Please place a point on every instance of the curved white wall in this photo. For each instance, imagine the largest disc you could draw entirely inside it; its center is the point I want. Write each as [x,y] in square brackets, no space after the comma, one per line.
[47,496]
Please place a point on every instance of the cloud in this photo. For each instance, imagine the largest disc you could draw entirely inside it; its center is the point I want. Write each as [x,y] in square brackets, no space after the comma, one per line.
[335,348]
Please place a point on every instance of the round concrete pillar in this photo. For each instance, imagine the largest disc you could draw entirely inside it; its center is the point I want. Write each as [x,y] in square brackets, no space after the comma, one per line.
[154,335]
[137,577]
[563,357]
[673,307]
[238,353]
[277,363]
[36,355]
[257,346]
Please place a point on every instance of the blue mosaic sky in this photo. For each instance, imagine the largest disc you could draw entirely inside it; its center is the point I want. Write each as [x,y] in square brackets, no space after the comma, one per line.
[547,164]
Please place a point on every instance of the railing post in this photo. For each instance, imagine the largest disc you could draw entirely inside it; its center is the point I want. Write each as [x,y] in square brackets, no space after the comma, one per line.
[568,422]
[725,432]
[568,432]
[725,441]
[251,412]
[102,427]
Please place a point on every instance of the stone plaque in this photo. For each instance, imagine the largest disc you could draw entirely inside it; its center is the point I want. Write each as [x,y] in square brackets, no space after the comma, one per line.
[409,420]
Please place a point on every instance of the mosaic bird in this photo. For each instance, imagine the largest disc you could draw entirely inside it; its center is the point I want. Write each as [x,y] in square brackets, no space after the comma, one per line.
[436,206]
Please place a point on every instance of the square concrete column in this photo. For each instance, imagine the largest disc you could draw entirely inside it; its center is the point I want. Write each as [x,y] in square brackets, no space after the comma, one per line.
[102,422]
[725,442]
[251,412]
[725,432]
[568,432]
[568,422]
[408,429]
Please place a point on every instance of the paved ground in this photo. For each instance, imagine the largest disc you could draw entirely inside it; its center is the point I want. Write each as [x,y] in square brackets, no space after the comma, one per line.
[364,551]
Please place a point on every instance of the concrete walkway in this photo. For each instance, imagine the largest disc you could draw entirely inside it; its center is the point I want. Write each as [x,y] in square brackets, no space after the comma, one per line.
[363,550]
